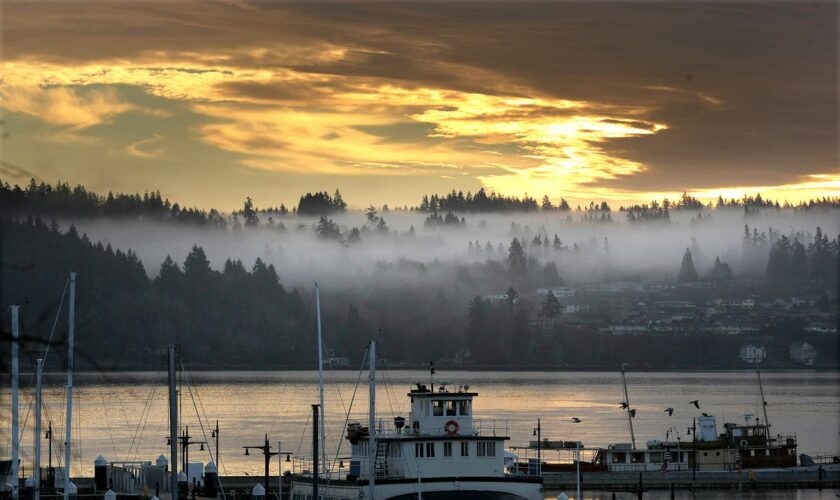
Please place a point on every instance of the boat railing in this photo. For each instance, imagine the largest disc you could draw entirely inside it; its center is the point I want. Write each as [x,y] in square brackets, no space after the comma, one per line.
[490,427]
[302,465]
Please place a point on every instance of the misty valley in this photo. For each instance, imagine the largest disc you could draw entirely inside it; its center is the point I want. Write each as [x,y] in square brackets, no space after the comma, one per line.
[476,281]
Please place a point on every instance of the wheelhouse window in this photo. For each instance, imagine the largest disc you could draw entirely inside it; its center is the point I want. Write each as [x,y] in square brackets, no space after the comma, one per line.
[447,449]
[450,408]
[465,448]
[637,457]
[430,450]
[463,407]
[618,457]
[437,408]
[418,450]
[485,449]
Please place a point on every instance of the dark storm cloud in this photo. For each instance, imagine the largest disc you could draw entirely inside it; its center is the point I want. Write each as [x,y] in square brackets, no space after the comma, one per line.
[747,89]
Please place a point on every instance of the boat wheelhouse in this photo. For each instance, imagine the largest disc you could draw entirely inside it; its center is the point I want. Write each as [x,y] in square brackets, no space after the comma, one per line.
[747,446]
[439,452]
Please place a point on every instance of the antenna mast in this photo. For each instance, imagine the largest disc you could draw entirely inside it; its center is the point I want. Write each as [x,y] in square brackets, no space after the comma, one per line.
[627,402]
[763,402]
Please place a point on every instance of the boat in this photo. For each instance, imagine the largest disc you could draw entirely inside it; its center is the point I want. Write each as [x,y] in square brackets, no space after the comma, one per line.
[439,452]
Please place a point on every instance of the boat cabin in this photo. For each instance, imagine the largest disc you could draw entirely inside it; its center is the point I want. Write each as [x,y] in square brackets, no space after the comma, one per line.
[439,439]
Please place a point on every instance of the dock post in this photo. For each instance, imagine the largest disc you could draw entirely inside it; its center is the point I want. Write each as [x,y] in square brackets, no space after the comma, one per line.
[315,451]
[672,491]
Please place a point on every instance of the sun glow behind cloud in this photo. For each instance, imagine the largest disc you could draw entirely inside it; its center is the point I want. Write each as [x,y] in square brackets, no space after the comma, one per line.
[294,91]
[548,144]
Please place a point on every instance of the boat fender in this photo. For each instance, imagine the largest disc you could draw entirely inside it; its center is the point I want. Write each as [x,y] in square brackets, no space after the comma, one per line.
[744,443]
[451,427]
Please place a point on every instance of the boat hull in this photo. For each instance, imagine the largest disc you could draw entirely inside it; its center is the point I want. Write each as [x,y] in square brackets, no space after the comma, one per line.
[503,488]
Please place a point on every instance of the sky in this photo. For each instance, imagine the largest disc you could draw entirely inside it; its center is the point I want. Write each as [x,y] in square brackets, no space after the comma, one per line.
[211,102]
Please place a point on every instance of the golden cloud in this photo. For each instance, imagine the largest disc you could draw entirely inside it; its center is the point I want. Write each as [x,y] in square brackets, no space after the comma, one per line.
[64,106]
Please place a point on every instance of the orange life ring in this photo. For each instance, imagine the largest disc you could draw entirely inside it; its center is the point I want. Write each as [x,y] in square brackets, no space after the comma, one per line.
[451,427]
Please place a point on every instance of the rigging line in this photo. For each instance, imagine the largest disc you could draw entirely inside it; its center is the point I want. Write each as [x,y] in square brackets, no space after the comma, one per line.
[107,421]
[57,314]
[277,415]
[347,411]
[142,421]
[387,382]
[148,415]
[303,434]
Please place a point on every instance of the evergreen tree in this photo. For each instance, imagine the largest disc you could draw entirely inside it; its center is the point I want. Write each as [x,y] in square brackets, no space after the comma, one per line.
[551,307]
[327,229]
[778,262]
[720,271]
[687,271]
[249,214]
[546,204]
[517,262]
[511,297]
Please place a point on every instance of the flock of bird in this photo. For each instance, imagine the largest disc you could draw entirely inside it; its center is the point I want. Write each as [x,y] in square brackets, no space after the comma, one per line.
[624,405]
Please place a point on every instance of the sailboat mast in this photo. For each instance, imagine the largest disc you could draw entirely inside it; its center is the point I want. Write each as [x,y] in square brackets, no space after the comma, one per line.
[71,334]
[15,401]
[321,380]
[763,402]
[627,402]
[173,424]
[36,437]
[372,422]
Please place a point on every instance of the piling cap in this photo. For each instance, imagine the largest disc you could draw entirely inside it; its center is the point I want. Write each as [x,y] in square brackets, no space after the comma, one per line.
[562,496]
[72,489]
[110,495]
[162,461]
[210,468]
[155,498]
[258,491]
[100,461]
[30,481]
[182,478]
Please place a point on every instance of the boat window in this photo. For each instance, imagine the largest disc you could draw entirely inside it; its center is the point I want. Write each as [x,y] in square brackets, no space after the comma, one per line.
[447,449]
[491,448]
[618,457]
[418,450]
[480,449]
[450,408]
[637,457]
[437,408]
[430,450]
[463,407]
[465,448]
[656,457]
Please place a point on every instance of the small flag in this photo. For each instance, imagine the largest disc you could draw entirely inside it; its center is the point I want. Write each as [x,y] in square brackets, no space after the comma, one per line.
[666,463]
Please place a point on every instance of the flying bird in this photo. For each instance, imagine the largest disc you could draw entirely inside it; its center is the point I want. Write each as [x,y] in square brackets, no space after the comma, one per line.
[624,405]
[696,403]
[576,420]
[670,411]
[633,413]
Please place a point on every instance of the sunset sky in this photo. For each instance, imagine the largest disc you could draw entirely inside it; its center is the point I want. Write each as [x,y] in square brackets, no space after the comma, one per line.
[214,101]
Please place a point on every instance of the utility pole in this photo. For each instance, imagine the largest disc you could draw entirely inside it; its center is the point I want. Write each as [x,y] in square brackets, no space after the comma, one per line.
[267,453]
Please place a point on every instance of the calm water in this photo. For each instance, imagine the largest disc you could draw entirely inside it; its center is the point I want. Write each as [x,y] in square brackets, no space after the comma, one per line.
[124,415]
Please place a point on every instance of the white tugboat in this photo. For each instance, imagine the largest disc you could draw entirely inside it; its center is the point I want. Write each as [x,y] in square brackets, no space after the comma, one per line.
[440,452]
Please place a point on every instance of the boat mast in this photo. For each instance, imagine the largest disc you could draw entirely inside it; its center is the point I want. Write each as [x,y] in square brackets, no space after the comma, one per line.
[36,458]
[627,402]
[372,422]
[321,380]
[763,402]
[15,402]
[71,334]
[173,424]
